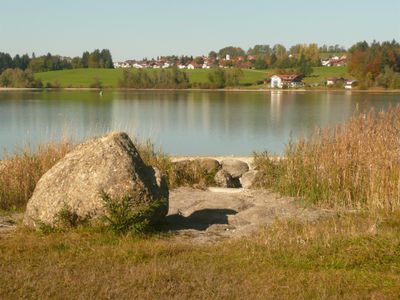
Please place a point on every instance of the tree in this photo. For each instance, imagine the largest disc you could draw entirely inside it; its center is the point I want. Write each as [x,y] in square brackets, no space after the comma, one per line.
[260,64]
[213,55]
[304,67]
[233,52]
[85,59]
[217,78]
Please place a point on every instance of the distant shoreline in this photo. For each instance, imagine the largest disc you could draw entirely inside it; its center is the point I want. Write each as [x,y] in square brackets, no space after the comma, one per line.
[2,89]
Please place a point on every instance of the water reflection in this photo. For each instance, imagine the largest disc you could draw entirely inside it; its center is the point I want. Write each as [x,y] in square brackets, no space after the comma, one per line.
[190,123]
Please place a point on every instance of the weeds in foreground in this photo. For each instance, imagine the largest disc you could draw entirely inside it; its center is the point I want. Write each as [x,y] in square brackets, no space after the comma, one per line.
[355,165]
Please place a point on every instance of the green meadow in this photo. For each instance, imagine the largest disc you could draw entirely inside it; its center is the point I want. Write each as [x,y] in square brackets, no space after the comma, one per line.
[84,78]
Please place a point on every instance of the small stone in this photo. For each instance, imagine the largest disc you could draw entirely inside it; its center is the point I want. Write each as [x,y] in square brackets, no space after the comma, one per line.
[225,180]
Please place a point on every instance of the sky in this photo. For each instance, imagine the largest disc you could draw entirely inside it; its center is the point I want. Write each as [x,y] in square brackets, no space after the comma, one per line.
[134,29]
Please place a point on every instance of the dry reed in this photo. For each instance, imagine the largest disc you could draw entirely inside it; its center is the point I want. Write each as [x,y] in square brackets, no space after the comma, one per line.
[20,173]
[356,164]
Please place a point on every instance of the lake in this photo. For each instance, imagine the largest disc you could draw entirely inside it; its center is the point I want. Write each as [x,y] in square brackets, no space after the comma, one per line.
[181,122]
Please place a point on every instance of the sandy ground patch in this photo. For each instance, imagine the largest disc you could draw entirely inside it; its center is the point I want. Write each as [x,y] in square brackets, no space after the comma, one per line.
[217,214]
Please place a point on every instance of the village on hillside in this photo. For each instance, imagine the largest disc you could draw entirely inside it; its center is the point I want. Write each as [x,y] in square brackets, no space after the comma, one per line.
[277,81]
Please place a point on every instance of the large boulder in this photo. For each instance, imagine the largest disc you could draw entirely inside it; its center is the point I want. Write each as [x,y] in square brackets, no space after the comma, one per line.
[109,164]
[236,168]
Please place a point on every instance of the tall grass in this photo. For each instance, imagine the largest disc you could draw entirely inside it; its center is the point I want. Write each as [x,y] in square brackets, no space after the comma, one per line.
[19,173]
[356,164]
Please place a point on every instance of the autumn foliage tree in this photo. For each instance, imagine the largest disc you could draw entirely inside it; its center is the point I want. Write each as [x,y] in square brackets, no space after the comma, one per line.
[374,63]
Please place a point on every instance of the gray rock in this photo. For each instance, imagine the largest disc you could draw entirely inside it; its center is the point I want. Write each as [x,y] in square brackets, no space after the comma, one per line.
[236,168]
[225,180]
[110,164]
[211,166]
[248,179]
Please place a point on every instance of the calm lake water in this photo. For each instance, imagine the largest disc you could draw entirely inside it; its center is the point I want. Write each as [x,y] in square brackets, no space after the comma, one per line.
[182,123]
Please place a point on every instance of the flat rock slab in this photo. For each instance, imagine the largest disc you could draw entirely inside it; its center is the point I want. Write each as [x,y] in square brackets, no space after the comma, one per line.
[216,214]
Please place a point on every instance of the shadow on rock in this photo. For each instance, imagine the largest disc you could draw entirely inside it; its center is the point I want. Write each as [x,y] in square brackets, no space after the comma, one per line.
[199,220]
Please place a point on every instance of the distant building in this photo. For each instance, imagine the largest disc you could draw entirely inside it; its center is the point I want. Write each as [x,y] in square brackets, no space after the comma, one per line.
[334,61]
[335,81]
[286,81]
[350,84]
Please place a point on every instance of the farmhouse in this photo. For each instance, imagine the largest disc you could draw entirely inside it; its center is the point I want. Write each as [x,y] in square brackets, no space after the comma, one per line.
[286,81]
[336,81]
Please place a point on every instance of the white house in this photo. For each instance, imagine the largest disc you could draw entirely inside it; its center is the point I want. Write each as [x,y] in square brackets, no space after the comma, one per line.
[137,66]
[121,65]
[190,67]
[180,66]
[350,84]
[335,80]
[286,81]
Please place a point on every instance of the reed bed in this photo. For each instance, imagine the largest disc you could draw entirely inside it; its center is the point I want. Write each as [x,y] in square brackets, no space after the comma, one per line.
[20,172]
[353,165]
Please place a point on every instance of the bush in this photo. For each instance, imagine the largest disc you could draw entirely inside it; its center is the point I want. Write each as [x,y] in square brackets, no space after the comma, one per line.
[16,78]
[154,79]
[127,214]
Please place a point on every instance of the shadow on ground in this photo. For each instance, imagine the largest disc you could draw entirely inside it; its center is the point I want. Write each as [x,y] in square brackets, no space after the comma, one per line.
[199,220]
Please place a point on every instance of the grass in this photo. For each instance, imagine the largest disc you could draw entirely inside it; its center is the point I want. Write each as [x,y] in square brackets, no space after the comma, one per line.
[321,74]
[354,165]
[19,173]
[346,257]
[84,78]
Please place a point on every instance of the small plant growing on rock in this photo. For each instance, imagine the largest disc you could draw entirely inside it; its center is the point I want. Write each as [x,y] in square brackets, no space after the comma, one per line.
[66,218]
[127,214]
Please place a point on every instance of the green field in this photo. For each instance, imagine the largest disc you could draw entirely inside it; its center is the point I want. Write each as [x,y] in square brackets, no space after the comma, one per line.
[320,74]
[83,78]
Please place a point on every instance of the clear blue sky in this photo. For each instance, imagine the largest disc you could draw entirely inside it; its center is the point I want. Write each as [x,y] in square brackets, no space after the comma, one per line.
[134,29]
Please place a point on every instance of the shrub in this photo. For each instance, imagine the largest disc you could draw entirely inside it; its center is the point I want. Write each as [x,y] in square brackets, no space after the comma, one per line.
[128,214]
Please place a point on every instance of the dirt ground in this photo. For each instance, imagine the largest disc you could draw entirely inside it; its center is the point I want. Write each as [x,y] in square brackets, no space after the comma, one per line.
[216,214]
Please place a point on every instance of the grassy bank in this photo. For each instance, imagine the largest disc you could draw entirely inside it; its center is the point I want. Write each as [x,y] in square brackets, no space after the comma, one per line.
[84,78]
[351,257]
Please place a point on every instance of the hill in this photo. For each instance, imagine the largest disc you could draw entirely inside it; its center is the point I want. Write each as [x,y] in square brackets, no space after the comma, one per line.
[84,78]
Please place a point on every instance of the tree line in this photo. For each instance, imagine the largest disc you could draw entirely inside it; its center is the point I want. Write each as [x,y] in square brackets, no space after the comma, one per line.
[375,64]
[177,79]
[49,62]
